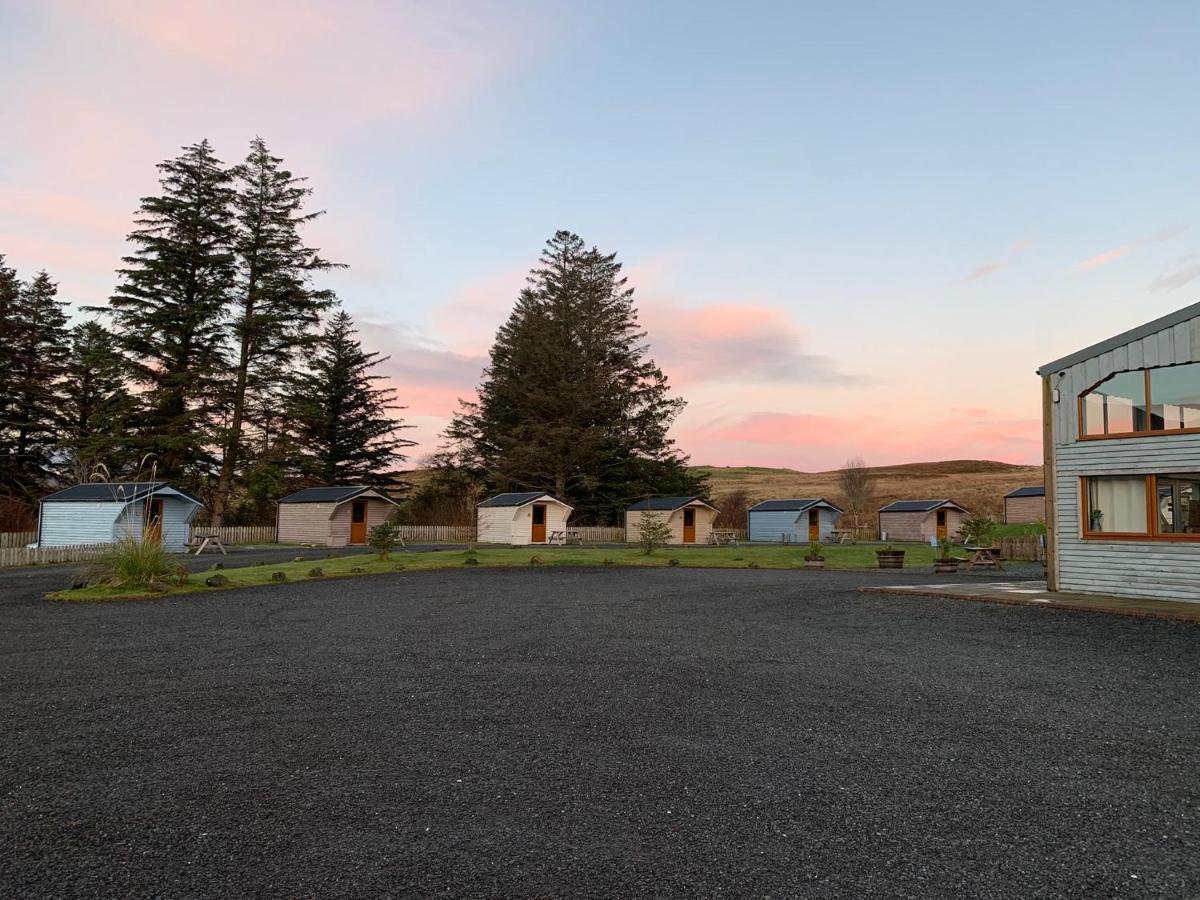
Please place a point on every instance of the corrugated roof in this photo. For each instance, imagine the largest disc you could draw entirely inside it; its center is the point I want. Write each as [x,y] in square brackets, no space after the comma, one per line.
[664,504]
[1168,321]
[798,505]
[328,494]
[515,498]
[917,505]
[1036,490]
[113,492]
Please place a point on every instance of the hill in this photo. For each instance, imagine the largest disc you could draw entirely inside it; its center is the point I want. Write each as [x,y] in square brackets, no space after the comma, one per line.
[979,485]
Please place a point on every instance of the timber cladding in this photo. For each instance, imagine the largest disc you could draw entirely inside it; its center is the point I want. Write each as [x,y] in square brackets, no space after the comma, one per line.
[704,516]
[327,524]
[1024,510]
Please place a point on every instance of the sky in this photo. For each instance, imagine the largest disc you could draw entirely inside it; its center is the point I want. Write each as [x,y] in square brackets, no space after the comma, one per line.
[854,229]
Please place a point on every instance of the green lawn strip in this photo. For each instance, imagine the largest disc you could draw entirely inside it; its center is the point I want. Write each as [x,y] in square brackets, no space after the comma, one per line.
[1019,530]
[858,556]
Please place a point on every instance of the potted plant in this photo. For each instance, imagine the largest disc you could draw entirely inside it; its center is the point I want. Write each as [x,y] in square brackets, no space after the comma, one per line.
[944,561]
[813,558]
[890,558]
[1096,518]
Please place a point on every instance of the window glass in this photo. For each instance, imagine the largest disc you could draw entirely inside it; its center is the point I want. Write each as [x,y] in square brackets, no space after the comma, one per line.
[1117,505]
[1116,406]
[1175,391]
[1178,503]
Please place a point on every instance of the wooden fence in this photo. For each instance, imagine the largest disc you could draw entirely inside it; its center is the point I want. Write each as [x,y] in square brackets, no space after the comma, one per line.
[236,534]
[1027,546]
[10,539]
[22,556]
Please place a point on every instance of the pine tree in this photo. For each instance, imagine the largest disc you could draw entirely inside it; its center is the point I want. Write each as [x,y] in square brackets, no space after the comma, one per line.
[341,420]
[169,309]
[275,306]
[97,406]
[10,290]
[571,403]
[36,350]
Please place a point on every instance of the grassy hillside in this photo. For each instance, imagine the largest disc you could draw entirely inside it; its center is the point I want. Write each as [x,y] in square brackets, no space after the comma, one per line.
[979,485]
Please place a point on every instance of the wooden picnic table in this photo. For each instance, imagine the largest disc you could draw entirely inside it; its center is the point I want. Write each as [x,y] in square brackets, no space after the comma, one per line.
[985,557]
[203,541]
[564,537]
[843,535]
[723,537]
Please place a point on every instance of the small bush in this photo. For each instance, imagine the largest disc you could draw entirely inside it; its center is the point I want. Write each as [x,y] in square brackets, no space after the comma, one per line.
[134,564]
[535,560]
[470,561]
[278,576]
[672,562]
[607,562]
[383,538]
[316,572]
[653,531]
[216,581]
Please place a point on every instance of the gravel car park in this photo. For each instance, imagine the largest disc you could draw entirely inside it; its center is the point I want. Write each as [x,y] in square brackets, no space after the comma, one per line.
[594,732]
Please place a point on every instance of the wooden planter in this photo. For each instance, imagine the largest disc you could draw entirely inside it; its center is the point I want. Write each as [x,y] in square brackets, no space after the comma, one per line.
[945,566]
[811,562]
[890,559]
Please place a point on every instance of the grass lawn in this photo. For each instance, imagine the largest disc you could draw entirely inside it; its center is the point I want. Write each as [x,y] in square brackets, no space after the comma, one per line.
[1019,530]
[854,556]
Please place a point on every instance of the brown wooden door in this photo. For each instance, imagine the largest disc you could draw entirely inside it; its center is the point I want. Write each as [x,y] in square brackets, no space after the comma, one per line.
[941,525]
[154,518]
[358,522]
[814,525]
[689,526]
[539,524]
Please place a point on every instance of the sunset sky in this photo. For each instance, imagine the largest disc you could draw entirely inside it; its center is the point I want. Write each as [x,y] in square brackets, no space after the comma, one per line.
[853,228]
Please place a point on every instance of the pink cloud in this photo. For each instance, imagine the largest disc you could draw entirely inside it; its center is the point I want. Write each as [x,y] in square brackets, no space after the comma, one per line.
[1102,259]
[815,442]
[987,268]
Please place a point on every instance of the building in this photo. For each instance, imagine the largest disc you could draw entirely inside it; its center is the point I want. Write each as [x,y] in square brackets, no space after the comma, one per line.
[921,520]
[689,518]
[1121,428]
[107,512]
[529,517]
[1025,505]
[792,521]
[332,516]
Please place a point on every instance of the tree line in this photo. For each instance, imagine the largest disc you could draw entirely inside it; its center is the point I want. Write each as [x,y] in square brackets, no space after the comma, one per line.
[217,363]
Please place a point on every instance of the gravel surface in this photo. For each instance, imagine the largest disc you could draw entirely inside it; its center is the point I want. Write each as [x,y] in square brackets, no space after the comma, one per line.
[595,732]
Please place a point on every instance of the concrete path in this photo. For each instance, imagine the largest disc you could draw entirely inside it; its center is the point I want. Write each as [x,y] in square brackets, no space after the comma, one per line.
[1034,593]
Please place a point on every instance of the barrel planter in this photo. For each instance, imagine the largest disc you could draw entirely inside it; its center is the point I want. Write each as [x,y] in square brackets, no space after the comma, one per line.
[890,559]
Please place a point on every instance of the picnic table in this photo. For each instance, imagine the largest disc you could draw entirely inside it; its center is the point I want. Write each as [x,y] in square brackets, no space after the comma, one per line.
[564,537]
[985,557]
[204,540]
[843,535]
[723,537]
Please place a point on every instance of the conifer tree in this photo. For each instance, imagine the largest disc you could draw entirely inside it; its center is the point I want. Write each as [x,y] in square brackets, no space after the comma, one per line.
[570,402]
[274,305]
[10,289]
[169,308]
[341,420]
[36,351]
[97,406]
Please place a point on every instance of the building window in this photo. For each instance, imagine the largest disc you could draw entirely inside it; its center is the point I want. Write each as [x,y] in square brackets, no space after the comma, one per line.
[1117,505]
[1146,507]
[1142,402]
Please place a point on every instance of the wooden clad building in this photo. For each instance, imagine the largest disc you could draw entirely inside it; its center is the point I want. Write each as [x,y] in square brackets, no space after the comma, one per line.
[689,518]
[527,517]
[107,512]
[1121,428]
[792,521]
[1025,505]
[331,516]
[921,520]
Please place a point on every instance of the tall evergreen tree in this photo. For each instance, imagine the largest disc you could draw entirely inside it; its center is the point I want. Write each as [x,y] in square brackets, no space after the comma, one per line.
[570,401]
[275,306]
[10,290]
[340,417]
[36,346]
[169,308]
[97,406]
